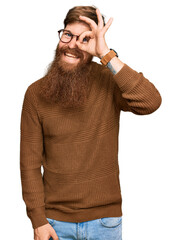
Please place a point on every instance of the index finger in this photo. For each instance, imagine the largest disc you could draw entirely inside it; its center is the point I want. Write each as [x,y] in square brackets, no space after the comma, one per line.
[86,35]
[91,23]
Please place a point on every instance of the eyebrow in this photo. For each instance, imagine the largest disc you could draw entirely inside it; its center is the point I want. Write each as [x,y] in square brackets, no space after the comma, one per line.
[72,33]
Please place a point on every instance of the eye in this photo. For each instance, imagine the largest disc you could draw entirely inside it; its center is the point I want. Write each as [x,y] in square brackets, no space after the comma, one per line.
[86,39]
[68,34]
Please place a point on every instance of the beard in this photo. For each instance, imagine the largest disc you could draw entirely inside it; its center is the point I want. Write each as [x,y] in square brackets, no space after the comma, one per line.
[66,83]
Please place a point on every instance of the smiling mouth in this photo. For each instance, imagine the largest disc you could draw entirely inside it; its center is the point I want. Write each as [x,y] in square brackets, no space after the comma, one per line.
[70,55]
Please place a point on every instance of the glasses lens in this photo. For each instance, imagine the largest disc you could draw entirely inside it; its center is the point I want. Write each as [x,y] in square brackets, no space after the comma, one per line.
[65,36]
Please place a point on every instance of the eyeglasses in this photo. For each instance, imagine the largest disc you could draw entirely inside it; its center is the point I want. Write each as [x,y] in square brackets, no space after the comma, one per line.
[66,36]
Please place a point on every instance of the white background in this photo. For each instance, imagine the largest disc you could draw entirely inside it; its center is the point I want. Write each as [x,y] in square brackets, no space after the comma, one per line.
[146,36]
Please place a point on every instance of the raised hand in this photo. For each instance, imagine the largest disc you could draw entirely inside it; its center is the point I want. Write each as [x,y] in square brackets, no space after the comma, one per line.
[96,44]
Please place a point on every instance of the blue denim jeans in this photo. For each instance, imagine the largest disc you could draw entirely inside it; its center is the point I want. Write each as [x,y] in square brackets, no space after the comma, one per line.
[107,228]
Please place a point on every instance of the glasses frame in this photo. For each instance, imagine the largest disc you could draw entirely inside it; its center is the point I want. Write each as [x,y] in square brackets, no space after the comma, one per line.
[72,35]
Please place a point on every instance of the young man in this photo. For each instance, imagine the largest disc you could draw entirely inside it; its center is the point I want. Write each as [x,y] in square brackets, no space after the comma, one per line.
[70,125]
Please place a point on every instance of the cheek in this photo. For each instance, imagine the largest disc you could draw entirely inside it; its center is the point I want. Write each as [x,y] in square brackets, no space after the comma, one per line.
[61,44]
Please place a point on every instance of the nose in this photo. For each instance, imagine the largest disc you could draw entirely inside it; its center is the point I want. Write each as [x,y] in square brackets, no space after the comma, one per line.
[72,43]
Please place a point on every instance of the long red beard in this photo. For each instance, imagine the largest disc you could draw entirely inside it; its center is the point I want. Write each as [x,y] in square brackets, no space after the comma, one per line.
[64,83]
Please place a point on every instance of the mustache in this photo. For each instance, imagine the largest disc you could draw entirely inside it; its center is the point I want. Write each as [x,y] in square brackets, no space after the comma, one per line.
[74,51]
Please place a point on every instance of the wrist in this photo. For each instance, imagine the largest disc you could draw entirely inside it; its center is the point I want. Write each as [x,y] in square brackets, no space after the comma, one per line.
[107,58]
[104,53]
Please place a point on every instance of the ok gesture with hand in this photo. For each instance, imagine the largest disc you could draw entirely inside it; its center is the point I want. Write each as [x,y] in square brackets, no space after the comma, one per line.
[96,44]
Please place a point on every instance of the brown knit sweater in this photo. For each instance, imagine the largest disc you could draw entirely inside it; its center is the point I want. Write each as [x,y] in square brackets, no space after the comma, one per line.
[78,148]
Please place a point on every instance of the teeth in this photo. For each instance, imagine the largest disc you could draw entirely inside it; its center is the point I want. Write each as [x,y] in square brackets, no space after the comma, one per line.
[70,55]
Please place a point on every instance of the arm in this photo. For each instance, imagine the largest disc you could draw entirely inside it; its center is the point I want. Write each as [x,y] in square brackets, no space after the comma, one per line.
[133,92]
[31,155]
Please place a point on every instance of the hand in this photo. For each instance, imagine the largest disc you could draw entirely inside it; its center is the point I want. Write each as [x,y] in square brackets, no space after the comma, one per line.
[45,232]
[96,45]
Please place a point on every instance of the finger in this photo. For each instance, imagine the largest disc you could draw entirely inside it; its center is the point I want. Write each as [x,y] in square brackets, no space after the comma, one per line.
[81,46]
[108,24]
[91,23]
[100,20]
[85,36]
[54,235]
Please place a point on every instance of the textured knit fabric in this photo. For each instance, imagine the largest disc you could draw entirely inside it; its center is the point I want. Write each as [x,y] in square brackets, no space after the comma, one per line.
[78,147]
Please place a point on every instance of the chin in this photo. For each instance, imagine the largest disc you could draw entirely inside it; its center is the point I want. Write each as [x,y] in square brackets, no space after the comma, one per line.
[66,66]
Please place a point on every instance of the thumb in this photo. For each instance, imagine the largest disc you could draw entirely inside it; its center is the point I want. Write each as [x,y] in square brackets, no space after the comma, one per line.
[54,235]
[81,46]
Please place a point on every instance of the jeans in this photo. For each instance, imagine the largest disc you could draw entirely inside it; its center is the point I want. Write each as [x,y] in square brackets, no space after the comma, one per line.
[107,228]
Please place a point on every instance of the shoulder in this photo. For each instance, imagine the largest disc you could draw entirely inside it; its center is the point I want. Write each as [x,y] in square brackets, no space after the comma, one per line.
[101,70]
[32,91]
[104,76]
[35,86]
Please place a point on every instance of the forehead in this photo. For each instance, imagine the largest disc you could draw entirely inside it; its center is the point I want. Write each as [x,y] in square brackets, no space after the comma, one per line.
[78,28]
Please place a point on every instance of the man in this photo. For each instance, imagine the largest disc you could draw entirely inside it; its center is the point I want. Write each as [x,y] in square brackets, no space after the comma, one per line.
[70,125]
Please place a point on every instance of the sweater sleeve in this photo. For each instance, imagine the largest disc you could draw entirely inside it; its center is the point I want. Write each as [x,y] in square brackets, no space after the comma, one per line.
[135,93]
[31,155]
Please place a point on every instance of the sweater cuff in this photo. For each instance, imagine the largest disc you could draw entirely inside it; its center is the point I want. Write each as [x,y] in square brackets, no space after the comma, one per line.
[37,217]
[126,78]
